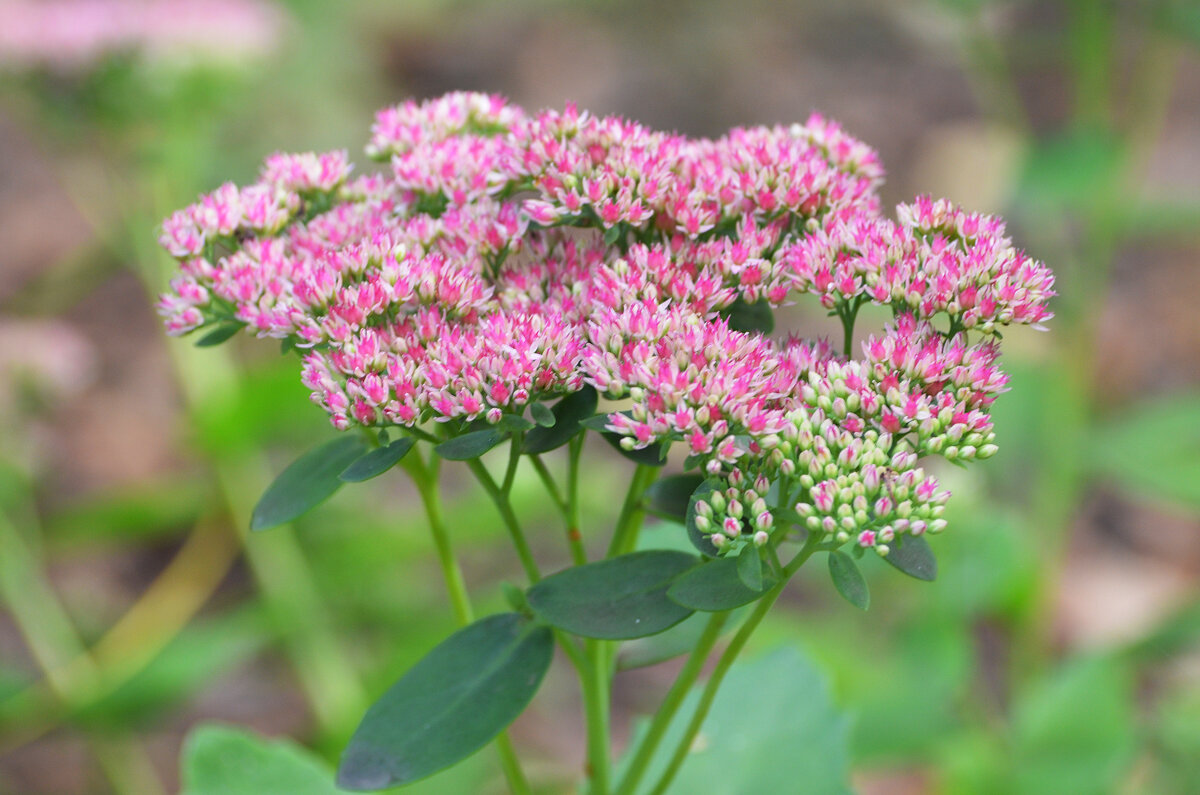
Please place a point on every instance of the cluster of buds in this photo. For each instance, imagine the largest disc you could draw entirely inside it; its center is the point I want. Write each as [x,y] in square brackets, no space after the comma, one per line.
[506,258]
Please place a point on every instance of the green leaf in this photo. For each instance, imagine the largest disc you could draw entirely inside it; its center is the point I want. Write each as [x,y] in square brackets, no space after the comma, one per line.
[512,422]
[1153,450]
[542,415]
[222,760]
[750,317]
[849,580]
[307,482]
[220,334]
[470,445]
[568,413]
[701,540]
[1075,731]
[679,639]
[670,496]
[377,461]
[713,586]
[450,704]
[613,234]
[749,568]
[615,599]
[755,738]
[653,455]
[597,422]
[912,555]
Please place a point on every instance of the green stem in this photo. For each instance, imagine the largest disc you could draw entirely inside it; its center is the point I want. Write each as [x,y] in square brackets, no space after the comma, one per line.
[574,531]
[425,478]
[726,662]
[504,506]
[596,683]
[671,703]
[630,520]
[426,483]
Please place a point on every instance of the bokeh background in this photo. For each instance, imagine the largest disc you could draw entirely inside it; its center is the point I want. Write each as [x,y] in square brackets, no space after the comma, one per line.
[1059,652]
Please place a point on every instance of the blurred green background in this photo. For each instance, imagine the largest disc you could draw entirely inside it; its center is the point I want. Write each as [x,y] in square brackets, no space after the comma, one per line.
[1059,652]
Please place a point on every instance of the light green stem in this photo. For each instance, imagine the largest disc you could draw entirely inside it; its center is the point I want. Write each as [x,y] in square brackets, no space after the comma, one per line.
[504,505]
[596,682]
[726,662]
[671,703]
[630,520]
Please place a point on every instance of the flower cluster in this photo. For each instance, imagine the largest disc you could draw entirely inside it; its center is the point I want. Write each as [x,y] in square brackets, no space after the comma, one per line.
[504,258]
[69,35]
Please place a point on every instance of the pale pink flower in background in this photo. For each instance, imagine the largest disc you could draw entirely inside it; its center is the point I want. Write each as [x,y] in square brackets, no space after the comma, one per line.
[72,35]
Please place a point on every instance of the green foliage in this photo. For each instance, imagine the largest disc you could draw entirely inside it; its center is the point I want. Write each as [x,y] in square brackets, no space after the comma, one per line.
[700,540]
[715,585]
[306,483]
[568,414]
[470,445]
[670,497]
[614,599]
[849,580]
[221,333]
[772,728]
[450,704]
[375,462]
[221,760]
[750,317]
[913,556]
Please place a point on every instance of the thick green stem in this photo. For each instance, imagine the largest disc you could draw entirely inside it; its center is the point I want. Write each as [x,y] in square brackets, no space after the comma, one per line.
[503,505]
[671,703]
[726,662]
[630,520]
[574,531]
[596,682]
[425,478]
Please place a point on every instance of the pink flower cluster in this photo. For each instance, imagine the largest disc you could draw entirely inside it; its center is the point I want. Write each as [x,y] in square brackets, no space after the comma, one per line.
[68,35]
[506,258]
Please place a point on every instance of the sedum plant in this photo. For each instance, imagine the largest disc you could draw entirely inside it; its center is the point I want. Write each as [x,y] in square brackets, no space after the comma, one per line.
[527,281]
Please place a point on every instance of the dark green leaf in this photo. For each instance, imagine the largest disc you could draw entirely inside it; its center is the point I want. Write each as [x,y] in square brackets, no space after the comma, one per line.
[613,234]
[615,599]
[470,445]
[849,580]
[755,738]
[307,482]
[714,586]
[670,496]
[450,704]
[568,413]
[700,540]
[542,415]
[750,317]
[513,422]
[596,422]
[912,555]
[377,461]
[749,568]
[654,455]
[220,334]
[220,760]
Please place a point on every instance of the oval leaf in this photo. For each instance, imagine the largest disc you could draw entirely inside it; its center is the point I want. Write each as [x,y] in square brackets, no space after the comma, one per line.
[512,422]
[220,334]
[470,445]
[654,455]
[700,540]
[307,482]
[670,496]
[750,317]
[377,461]
[450,704]
[849,580]
[568,413]
[714,586]
[750,570]
[913,556]
[542,415]
[616,599]
[222,760]
[678,640]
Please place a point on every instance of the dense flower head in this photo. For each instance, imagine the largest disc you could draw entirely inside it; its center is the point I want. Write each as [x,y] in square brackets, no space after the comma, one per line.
[501,258]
